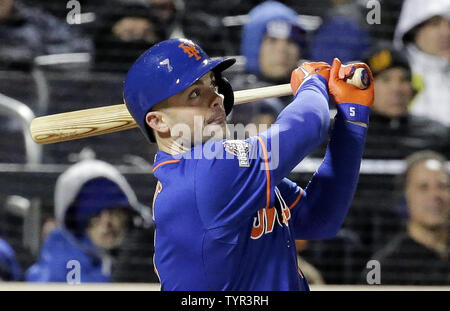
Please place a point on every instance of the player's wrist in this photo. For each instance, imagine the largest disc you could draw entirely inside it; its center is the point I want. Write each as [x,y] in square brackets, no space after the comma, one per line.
[354,112]
[322,79]
[315,79]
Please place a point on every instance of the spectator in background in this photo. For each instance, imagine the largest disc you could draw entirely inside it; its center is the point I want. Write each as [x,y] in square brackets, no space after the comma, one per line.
[423,31]
[273,42]
[129,28]
[343,33]
[122,33]
[419,256]
[27,32]
[167,14]
[94,208]
[394,132]
[10,269]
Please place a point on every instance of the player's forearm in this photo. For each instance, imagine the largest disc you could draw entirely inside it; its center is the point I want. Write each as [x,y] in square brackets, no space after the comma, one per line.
[330,193]
[300,127]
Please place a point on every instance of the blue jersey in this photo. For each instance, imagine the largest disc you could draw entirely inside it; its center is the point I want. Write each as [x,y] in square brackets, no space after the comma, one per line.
[226,218]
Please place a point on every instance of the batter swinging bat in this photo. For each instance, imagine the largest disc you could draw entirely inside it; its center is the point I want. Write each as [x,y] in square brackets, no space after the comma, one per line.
[109,119]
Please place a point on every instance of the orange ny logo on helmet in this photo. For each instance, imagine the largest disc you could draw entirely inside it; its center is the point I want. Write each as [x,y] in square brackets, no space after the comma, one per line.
[190,50]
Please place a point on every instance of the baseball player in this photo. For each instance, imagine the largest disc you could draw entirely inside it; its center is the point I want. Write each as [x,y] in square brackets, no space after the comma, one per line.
[228,220]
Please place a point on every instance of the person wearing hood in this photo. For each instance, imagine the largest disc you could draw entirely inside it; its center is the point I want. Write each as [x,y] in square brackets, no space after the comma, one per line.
[423,31]
[273,43]
[94,208]
[395,132]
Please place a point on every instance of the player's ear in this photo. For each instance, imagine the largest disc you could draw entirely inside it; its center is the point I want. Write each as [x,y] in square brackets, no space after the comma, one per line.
[155,120]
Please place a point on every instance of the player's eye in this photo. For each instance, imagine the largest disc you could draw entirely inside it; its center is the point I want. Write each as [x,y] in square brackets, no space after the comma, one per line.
[194,94]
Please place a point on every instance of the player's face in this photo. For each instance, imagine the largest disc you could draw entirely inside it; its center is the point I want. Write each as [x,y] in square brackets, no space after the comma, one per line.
[427,194]
[433,37]
[196,114]
[393,92]
[278,57]
[107,230]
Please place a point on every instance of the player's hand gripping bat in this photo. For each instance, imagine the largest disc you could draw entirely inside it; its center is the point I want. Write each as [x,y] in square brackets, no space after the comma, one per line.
[97,121]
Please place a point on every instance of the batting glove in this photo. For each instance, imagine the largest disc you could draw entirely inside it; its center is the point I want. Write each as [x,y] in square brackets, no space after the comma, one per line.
[306,71]
[352,101]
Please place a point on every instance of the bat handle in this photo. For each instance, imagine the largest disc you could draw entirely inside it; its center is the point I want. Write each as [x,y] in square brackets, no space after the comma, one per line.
[252,95]
[358,77]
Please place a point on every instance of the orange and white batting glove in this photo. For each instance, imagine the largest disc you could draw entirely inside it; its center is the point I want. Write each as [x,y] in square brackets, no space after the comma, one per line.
[354,103]
[306,71]
[343,92]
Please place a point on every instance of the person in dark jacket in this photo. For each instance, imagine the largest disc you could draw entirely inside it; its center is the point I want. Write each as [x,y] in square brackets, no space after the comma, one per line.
[419,255]
[394,132]
[27,32]
[94,209]
[127,29]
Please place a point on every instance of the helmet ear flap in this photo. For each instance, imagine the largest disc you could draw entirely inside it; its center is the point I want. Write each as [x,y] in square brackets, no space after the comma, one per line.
[226,90]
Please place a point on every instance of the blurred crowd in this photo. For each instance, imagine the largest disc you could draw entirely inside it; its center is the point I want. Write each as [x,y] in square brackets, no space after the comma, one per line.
[58,56]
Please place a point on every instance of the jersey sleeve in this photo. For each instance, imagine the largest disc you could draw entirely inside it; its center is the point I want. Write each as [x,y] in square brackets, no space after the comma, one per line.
[324,203]
[233,189]
[299,129]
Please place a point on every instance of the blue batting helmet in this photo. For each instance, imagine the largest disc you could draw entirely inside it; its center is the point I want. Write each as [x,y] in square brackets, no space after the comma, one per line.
[166,69]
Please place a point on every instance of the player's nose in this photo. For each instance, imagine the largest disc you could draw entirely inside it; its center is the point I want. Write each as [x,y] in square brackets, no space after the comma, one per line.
[216,101]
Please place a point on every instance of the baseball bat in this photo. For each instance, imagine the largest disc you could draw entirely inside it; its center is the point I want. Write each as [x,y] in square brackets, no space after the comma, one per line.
[109,119]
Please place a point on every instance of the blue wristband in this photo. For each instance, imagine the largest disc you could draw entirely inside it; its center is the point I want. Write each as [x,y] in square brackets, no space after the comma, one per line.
[354,112]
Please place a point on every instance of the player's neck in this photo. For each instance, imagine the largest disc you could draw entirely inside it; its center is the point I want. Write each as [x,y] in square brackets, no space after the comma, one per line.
[171,146]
